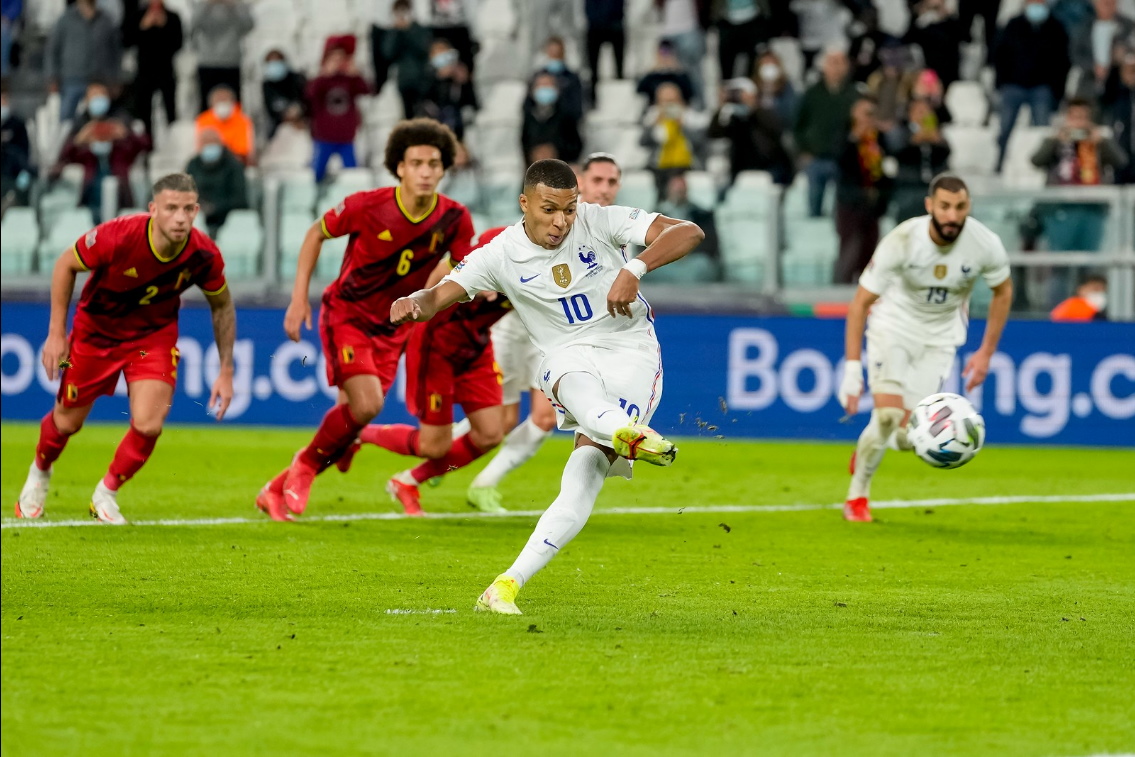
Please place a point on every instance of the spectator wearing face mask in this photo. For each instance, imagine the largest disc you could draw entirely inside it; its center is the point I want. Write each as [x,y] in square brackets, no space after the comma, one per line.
[407,47]
[755,130]
[227,119]
[283,91]
[220,180]
[84,46]
[335,115]
[217,30]
[450,88]
[452,21]
[156,32]
[667,69]
[676,134]
[547,122]
[567,81]
[774,91]
[104,146]
[15,155]
[1088,304]
[1025,76]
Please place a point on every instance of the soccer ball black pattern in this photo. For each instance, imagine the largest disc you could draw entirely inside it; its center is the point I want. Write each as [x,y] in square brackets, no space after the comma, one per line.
[946,430]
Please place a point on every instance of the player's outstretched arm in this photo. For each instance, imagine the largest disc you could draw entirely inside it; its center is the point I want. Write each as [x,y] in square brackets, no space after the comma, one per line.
[424,304]
[224,333]
[667,240]
[299,309]
[977,367]
[851,387]
[55,349]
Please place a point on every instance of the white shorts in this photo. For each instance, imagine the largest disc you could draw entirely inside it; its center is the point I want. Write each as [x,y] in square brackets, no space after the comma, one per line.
[517,356]
[631,378]
[900,366]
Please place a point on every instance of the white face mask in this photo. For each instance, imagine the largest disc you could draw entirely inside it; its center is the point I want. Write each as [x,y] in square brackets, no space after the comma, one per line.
[769,72]
[223,110]
[1097,299]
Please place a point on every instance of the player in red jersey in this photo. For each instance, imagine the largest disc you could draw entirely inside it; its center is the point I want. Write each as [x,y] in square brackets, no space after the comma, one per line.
[397,237]
[457,345]
[126,323]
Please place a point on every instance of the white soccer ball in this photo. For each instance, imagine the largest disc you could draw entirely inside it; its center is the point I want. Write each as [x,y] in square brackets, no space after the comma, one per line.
[946,430]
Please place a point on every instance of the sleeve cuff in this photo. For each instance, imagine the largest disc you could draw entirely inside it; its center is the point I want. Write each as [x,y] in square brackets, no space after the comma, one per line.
[215,292]
[323,226]
[78,257]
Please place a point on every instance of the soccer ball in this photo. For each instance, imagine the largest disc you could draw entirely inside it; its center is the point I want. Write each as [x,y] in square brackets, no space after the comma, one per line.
[946,430]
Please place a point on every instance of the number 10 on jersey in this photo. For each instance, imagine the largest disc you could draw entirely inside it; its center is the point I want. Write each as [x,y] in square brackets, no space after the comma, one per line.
[577,308]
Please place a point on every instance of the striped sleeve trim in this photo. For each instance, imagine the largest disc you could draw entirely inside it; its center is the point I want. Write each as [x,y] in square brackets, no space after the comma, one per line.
[83,263]
[215,292]
[323,226]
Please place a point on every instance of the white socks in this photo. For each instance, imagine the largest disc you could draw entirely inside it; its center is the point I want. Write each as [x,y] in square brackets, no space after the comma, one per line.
[582,479]
[869,451]
[518,447]
[584,397]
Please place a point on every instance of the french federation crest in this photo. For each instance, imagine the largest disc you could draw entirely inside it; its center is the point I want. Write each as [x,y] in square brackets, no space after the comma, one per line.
[939,271]
[561,274]
[587,256]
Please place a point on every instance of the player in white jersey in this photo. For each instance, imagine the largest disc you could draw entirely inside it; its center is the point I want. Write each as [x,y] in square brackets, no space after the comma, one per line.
[519,360]
[917,288]
[564,270]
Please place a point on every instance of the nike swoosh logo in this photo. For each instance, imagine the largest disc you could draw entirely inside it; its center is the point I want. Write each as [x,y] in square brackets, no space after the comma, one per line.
[553,546]
[526,280]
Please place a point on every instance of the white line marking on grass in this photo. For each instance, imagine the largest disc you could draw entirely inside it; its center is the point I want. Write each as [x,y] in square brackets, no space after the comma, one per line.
[351,517]
[421,612]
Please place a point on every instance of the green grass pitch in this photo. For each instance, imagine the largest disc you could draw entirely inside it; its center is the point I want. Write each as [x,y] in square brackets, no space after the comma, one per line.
[965,629]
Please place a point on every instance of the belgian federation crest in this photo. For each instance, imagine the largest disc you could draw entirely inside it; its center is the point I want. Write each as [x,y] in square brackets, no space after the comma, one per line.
[561,274]
[939,271]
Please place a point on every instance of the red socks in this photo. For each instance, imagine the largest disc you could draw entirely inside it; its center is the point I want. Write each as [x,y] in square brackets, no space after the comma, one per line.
[51,442]
[397,437]
[132,453]
[337,431]
[460,454]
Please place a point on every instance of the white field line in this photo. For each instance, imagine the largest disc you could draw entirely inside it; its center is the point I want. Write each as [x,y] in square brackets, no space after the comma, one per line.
[349,517]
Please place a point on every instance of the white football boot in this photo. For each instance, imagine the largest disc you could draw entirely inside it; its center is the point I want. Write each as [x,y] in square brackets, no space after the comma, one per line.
[34,494]
[104,506]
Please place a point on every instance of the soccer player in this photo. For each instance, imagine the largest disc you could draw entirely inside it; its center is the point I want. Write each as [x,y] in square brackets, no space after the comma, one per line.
[126,323]
[917,288]
[519,360]
[562,266]
[397,237]
[454,345]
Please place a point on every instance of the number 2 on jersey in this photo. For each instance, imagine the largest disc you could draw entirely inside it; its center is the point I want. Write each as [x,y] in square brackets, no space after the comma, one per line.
[936,295]
[404,262]
[151,292]
[580,306]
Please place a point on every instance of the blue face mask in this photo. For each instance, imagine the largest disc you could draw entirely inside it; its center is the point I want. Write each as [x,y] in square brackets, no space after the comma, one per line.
[554,65]
[545,95]
[212,152]
[98,106]
[275,70]
[101,149]
[441,60]
[1036,13]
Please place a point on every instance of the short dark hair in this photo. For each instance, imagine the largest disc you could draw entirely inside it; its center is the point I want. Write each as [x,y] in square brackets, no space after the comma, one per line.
[552,173]
[601,157]
[1077,102]
[175,182]
[419,132]
[948,182]
[1093,278]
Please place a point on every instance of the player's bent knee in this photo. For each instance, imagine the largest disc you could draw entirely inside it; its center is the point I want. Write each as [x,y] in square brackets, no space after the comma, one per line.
[889,418]
[148,427]
[434,449]
[486,439]
[366,409]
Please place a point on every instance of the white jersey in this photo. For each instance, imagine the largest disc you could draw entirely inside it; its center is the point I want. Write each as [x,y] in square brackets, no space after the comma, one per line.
[924,289]
[561,295]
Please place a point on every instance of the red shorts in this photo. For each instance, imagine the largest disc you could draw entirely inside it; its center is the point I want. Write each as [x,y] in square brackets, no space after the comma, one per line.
[93,371]
[434,385]
[350,352]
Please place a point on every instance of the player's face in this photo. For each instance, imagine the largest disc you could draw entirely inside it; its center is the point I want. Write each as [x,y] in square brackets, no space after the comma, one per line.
[600,183]
[548,214]
[174,213]
[948,212]
[421,170]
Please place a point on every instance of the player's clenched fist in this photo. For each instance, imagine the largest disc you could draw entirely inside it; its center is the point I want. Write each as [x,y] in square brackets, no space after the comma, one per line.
[54,354]
[299,314]
[404,309]
[623,292]
[852,386]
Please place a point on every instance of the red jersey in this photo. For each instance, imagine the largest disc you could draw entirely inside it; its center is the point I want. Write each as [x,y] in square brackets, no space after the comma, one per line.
[132,292]
[460,333]
[390,253]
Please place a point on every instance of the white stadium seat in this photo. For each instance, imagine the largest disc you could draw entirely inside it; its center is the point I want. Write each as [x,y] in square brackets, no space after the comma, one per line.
[967,103]
[638,190]
[973,149]
[68,226]
[241,239]
[20,231]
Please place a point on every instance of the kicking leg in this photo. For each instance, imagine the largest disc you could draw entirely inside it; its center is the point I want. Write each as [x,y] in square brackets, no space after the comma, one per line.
[599,418]
[887,417]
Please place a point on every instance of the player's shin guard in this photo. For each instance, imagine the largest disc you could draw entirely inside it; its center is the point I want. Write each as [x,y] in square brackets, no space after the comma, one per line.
[870,449]
[460,454]
[337,431]
[51,442]
[579,488]
[396,437]
[518,448]
[132,453]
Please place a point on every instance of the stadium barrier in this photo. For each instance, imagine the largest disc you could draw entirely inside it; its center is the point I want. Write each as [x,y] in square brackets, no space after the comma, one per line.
[726,376]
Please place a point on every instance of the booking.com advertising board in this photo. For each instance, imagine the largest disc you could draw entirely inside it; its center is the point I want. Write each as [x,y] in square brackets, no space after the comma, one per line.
[726,376]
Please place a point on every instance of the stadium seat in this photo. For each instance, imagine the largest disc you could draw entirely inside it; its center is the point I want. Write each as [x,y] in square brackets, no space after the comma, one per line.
[67,227]
[967,103]
[349,181]
[241,239]
[695,268]
[330,259]
[753,195]
[791,58]
[499,148]
[504,104]
[20,232]
[290,149]
[298,193]
[811,248]
[1018,170]
[702,190]
[617,102]
[638,190]
[293,228]
[973,149]
[744,248]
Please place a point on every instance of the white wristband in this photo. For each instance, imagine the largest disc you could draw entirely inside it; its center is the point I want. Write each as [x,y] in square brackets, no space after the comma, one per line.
[636,267]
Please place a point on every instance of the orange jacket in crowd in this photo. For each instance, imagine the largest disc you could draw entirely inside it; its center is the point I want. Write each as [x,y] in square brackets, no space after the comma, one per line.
[1074,309]
[236,132]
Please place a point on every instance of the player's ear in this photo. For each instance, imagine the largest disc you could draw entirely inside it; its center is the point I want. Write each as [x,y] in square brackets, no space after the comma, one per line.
[399,168]
[929,202]
[152,207]
[523,203]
